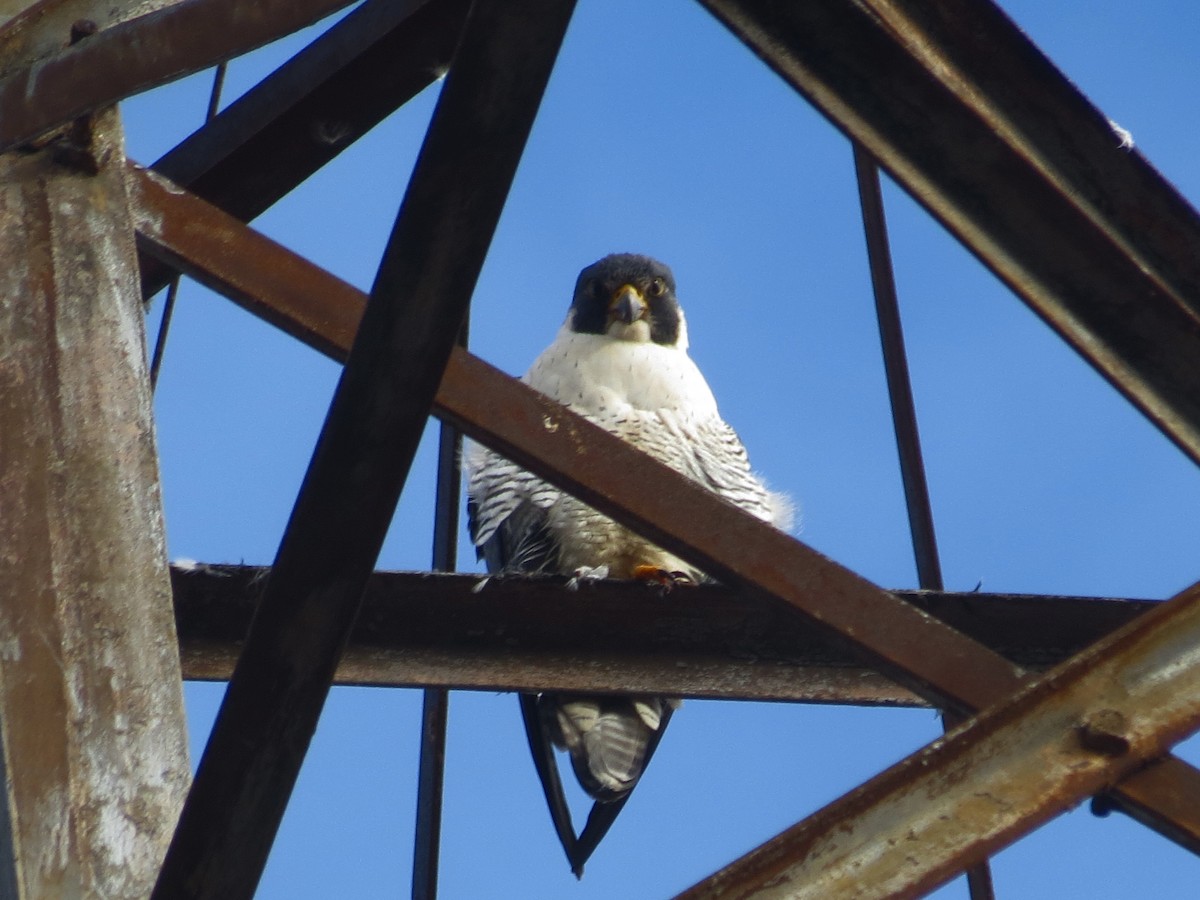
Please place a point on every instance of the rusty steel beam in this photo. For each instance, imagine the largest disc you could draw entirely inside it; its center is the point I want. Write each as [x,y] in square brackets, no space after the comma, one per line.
[981,129]
[348,499]
[524,633]
[1073,732]
[316,104]
[42,28]
[322,310]
[1164,797]
[93,743]
[312,108]
[139,54]
[217,250]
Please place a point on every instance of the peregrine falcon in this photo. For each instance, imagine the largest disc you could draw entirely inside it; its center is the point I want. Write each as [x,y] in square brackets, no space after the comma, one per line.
[620,360]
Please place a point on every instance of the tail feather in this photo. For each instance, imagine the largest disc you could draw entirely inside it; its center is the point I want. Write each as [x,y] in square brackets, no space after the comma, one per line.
[610,741]
[603,815]
[606,737]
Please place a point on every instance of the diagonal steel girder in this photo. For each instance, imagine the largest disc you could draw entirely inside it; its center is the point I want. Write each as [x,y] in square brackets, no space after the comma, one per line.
[310,109]
[1165,797]
[933,660]
[973,121]
[140,54]
[348,498]
[36,29]
[1068,734]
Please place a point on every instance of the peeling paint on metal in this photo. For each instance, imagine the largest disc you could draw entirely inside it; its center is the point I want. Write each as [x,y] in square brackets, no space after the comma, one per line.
[94,637]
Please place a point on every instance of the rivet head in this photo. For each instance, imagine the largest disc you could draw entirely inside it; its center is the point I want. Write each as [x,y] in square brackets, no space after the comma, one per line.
[84,28]
[1105,731]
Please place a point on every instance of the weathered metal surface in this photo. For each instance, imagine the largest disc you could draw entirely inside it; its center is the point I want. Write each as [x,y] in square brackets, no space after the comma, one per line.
[91,708]
[1074,732]
[517,633]
[142,53]
[1164,796]
[419,299]
[980,884]
[267,279]
[973,121]
[30,31]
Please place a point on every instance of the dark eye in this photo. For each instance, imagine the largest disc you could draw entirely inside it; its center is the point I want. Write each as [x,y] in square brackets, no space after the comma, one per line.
[658,287]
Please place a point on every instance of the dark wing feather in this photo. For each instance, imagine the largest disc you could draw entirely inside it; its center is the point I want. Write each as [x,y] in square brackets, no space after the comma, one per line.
[521,541]
[506,514]
[547,770]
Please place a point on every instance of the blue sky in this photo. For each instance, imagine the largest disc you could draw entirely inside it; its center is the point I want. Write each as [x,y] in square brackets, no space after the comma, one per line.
[661,134]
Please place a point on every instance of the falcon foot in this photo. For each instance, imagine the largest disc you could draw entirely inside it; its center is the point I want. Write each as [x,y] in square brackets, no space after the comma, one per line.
[585,574]
[661,577]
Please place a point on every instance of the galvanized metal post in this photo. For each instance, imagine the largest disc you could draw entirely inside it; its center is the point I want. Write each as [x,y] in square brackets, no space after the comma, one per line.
[91,704]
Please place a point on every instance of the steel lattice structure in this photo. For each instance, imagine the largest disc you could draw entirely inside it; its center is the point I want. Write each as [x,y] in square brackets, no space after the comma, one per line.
[1016,164]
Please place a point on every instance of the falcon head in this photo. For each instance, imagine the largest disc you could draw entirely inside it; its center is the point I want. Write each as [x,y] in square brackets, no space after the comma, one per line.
[630,298]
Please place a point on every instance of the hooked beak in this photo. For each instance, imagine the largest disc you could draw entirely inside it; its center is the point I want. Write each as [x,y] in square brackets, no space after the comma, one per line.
[627,305]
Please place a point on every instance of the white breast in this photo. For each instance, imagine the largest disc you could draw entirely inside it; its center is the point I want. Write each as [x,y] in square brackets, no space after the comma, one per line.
[603,377]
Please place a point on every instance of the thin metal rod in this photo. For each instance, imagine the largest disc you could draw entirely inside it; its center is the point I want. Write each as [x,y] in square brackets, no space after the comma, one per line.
[430,774]
[895,363]
[449,490]
[164,327]
[904,419]
[214,96]
[435,706]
